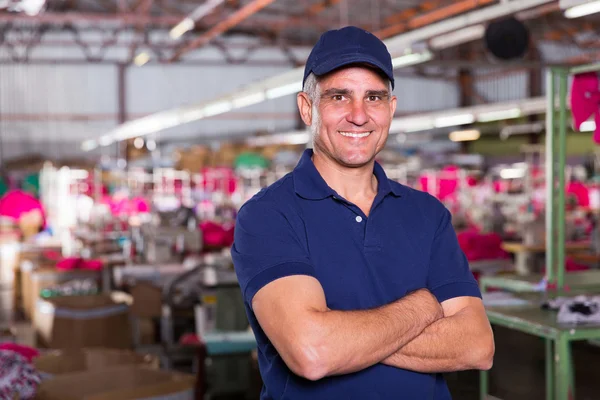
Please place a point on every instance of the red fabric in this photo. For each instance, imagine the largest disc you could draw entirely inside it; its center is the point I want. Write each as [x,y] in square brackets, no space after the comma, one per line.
[216,235]
[79,263]
[51,255]
[189,339]
[28,352]
[585,100]
[572,266]
[445,186]
[581,193]
[219,179]
[478,246]
[17,202]
[124,206]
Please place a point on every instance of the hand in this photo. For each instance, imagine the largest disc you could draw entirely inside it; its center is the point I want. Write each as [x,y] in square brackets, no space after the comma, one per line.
[427,304]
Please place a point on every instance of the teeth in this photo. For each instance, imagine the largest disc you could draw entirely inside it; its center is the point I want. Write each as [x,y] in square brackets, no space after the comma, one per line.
[355,135]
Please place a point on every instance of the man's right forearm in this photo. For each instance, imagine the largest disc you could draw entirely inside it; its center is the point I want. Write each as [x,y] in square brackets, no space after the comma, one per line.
[349,341]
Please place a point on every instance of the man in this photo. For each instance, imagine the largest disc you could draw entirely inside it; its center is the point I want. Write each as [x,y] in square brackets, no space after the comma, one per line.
[355,285]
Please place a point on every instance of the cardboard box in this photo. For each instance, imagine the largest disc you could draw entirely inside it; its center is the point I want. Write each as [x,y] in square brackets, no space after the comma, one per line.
[36,278]
[61,362]
[82,321]
[147,300]
[192,159]
[122,383]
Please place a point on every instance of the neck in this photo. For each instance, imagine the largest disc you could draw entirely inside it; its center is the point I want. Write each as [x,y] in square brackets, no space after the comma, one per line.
[356,185]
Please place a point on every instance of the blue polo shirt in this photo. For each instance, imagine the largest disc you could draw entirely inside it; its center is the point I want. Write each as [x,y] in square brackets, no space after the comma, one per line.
[300,226]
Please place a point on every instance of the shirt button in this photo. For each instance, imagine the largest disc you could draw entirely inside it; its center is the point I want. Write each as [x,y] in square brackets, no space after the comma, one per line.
[358,218]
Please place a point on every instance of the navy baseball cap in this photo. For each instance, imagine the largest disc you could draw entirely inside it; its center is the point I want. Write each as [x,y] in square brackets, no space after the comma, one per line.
[345,46]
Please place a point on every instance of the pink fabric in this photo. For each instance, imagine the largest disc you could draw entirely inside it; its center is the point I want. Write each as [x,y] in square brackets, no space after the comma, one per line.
[126,207]
[571,266]
[79,263]
[585,100]
[217,235]
[17,202]
[581,193]
[446,186]
[28,352]
[478,246]
[51,255]
[219,179]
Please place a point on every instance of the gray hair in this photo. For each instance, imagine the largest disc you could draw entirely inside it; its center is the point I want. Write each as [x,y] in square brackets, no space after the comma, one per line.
[311,88]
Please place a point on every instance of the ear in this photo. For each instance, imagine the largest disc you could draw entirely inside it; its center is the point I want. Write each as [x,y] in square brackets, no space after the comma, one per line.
[305,108]
[393,103]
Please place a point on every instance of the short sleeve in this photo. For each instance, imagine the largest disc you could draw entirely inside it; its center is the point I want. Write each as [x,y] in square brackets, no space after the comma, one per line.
[449,275]
[266,247]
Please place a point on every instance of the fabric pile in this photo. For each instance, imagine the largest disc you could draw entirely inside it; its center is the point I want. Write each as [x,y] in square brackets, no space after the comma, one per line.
[579,310]
[18,377]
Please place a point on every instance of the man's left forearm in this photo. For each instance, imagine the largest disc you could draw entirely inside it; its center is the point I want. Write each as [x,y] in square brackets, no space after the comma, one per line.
[459,342]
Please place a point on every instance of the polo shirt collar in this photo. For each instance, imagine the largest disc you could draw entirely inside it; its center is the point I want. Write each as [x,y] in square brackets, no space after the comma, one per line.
[309,184]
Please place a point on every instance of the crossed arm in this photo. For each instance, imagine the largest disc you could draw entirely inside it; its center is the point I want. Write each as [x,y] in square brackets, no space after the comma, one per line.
[414,332]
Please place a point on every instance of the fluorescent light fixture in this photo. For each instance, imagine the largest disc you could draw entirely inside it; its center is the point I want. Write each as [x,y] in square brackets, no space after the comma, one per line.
[29,7]
[581,10]
[217,108]
[138,143]
[411,59]
[499,115]
[512,173]
[141,59]
[295,137]
[89,145]
[291,88]
[454,120]
[248,100]
[588,126]
[523,129]
[465,136]
[457,37]
[408,125]
[191,115]
[105,140]
[187,24]
[151,145]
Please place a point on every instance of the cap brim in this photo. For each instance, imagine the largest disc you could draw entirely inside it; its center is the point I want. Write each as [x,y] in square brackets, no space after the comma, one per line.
[349,59]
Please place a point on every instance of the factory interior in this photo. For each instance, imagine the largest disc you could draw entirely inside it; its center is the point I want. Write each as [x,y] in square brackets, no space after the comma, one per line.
[133,131]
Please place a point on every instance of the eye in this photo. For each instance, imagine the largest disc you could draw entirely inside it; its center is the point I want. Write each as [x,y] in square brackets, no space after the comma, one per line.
[338,97]
[374,98]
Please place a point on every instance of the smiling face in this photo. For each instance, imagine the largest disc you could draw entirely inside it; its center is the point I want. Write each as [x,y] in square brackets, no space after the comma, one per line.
[354,112]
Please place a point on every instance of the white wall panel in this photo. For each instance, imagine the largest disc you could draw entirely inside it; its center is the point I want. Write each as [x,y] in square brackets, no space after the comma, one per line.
[30,131]
[420,94]
[158,87]
[57,89]
[503,87]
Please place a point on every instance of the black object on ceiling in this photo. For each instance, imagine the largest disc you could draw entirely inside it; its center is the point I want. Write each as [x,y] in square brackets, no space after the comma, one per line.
[507,39]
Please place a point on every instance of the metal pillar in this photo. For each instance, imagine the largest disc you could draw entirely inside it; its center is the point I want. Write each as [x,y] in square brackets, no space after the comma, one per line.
[550,177]
[562,156]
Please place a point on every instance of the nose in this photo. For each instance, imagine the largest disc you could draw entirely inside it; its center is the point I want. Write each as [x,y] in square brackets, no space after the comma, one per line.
[358,113]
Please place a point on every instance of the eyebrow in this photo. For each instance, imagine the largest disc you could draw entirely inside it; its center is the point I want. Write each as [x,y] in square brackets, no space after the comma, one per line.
[381,93]
[346,92]
[335,92]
